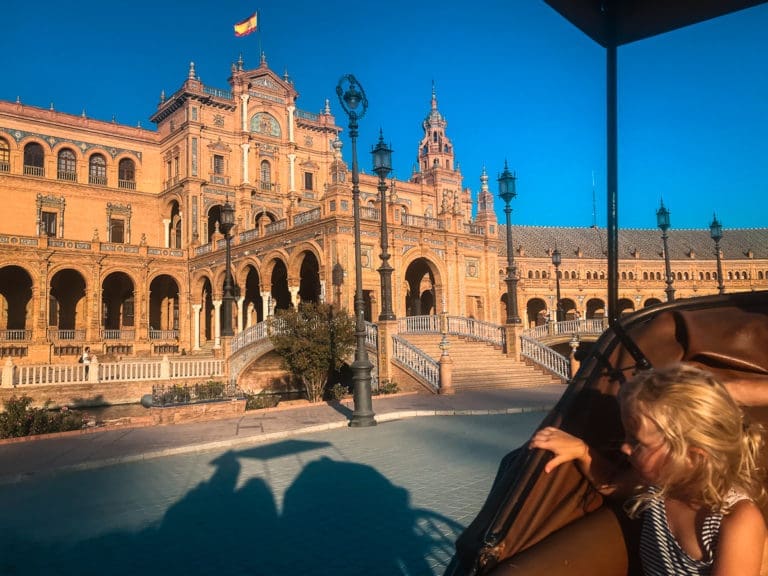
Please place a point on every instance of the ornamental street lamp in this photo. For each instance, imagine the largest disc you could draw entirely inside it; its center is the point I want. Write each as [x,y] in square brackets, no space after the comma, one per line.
[662,221]
[226,222]
[382,165]
[507,192]
[350,98]
[716,233]
[556,260]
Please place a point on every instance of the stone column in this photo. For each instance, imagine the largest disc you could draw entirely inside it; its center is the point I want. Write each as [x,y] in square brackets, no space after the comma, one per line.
[7,380]
[244,109]
[240,313]
[446,367]
[167,232]
[291,175]
[265,296]
[249,315]
[291,110]
[387,329]
[294,290]
[217,323]
[512,335]
[93,370]
[196,325]
[245,147]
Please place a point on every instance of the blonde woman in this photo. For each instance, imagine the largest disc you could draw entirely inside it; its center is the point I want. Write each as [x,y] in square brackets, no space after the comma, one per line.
[695,478]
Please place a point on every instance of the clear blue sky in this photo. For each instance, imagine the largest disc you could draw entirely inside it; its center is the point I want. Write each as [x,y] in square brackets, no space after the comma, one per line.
[514,80]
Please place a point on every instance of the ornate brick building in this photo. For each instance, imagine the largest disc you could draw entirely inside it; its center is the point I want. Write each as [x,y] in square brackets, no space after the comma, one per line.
[109,234]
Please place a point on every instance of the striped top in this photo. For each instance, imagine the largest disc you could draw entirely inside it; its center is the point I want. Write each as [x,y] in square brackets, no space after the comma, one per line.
[660,553]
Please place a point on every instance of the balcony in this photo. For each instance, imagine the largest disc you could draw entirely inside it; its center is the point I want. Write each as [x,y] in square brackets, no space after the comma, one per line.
[423,222]
[5,166]
[34,170]
[69,175]
[15,335]
[306,217]
[163,334]
[126,184]
[369,213]
[118,334]
[97,179]
[58,335]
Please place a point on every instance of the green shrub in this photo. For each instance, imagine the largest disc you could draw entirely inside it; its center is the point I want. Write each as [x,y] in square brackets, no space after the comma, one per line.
[388,387]
[211,390]
[260,400]
[337,392]
[21,419]
[176,394]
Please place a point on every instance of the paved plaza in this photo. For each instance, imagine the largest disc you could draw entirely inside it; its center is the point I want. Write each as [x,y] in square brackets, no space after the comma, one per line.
[275,492]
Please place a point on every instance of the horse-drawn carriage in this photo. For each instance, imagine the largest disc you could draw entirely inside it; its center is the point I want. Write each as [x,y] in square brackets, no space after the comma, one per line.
[535,523]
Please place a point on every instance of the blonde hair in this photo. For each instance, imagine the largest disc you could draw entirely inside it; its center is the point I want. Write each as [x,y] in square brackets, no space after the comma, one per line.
[711,446]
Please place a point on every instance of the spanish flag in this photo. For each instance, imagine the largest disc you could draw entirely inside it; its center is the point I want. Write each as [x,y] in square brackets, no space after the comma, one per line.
[247,26]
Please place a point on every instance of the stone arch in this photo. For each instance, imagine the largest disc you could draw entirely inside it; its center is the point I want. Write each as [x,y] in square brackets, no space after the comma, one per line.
[276,276]
[651,302]
[253,303]
[309,278]
[263,218]
[164,303]
[568,309]
[595,308]
[536,310]
[15,298]
[625,306]
[117,301]
[422,277]
[67,303]
[207,309]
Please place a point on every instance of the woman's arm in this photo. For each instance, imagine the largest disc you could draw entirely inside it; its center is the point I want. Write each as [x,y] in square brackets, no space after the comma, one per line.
[742,538]
[601,473]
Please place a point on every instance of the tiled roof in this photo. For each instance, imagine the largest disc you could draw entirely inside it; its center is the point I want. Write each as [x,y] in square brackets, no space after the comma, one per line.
[537,241]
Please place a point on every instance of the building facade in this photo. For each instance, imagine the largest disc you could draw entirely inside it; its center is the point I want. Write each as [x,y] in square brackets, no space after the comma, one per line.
[109,234]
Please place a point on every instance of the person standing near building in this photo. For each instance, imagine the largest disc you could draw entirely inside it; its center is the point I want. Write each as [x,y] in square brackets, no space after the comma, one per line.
[86,360]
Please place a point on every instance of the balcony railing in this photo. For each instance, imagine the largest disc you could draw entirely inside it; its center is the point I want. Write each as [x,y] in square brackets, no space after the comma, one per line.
[15,335]
[475,229]
[370,213]
[249,235]
[69,175]
[277,226]
[56,334]
[5,166]
[118,334]
[34,170]
[306,217]
[126,184]
[163,334]
[97,180]
[423,222]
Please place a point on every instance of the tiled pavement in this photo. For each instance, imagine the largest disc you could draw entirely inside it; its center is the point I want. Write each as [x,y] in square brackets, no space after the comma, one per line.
[275,492]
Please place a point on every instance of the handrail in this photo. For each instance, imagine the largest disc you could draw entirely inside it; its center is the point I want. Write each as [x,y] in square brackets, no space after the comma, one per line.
[581,326]
[418,362]
[455,326]
[545,357]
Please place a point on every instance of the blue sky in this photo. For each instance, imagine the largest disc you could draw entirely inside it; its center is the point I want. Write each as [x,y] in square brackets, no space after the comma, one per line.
[514,80]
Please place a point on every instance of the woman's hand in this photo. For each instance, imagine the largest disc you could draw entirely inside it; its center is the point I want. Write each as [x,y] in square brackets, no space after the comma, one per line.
[564,446]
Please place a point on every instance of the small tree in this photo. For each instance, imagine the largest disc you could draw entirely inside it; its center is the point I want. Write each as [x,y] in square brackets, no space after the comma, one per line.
[313,342]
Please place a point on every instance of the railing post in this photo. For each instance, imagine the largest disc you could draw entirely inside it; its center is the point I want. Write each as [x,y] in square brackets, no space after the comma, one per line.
[387,329]
[446,367]
[7,381]
[512,337]
[93,369]
[165,368]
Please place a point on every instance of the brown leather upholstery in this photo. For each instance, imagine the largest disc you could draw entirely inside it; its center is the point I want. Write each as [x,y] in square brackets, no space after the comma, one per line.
[556,523]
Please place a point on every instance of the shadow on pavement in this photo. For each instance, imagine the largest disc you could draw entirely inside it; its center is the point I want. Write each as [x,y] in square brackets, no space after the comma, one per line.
[338,518]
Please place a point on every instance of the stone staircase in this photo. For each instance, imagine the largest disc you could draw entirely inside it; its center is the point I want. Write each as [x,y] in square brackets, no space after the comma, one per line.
[479,365]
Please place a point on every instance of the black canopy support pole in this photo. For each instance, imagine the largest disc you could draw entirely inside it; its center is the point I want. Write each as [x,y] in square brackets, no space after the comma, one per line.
[612,170]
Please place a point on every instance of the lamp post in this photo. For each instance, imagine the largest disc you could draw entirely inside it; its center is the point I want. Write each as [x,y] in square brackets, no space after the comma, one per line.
[716,233]
[556,260]
[507,192]
[662,221]
[382,165]
[226,222]
[350,98]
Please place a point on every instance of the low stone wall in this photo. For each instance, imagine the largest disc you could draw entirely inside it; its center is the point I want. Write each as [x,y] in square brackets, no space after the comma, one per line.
[87,393]
[406,382]
[197,412]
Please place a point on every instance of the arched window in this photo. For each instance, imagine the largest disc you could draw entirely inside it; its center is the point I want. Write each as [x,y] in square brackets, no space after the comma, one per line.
[66,168]
[5,156]
[33,159]
[631,276]
[679,275]
[759,274]
[623,275]
[701,275]
[97,170]
[730,275]
[530,274]
[658,275]
[126,174]
[266,176]
[589,275]
[708,276]
[537,275]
